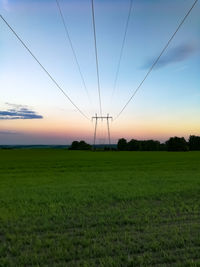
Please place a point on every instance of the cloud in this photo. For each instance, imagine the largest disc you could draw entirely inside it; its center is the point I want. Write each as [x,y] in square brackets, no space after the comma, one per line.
[18,112]
[8,132]
[174,55]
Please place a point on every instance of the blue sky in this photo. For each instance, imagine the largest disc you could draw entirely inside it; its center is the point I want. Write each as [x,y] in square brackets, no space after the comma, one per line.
[166,105]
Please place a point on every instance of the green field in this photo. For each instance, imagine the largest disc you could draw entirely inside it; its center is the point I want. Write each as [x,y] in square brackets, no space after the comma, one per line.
[70,208]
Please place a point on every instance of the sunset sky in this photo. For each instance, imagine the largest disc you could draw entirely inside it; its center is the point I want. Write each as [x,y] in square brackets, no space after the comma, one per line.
[34,111]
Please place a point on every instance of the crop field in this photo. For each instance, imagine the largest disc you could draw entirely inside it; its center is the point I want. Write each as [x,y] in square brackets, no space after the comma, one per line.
[70,208]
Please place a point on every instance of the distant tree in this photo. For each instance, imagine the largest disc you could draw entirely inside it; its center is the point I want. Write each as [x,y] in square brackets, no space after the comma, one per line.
[133,145]
[82,145]
[194,142]
[149,145]
[162,147]
[74,145]
[122,144]
[177,144]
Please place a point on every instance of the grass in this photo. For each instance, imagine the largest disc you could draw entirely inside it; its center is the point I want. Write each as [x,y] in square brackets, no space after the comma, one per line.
[69,208]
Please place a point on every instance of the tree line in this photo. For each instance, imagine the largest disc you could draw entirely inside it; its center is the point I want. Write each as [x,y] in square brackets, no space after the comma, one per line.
[173,144]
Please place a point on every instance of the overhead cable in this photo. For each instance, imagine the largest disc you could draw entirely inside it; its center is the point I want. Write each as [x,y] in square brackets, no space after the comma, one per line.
[72,48]
[44,69]
[122,48]
[96,55]
[156,61]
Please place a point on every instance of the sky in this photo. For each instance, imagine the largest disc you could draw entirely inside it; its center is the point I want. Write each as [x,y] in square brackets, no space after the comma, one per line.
[34,111]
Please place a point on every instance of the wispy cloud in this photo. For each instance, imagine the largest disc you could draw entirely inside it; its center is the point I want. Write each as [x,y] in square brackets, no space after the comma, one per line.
[174,55]
[18,112]
[8,132]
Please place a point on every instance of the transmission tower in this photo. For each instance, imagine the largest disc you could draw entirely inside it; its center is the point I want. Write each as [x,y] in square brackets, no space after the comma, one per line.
[97,118]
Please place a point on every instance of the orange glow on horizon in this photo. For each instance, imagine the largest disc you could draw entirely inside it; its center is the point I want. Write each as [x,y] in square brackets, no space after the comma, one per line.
[82,129]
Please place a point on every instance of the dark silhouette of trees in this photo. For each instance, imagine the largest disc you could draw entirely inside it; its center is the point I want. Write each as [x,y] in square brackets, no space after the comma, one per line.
[74,145]
[173,144]
[194,142]
[82,145]
[149,145]
[122,144]
[136,145]
[163,147]
[133,145]
[177,144]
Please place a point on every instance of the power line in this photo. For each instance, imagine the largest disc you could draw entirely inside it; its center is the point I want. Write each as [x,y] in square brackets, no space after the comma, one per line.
[96,55]
[72,48]
[53,80]
[122,48]
[156,61]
